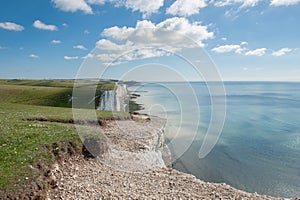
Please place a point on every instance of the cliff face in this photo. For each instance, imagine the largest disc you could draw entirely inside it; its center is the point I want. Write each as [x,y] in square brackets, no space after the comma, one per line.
[115,100]
[159,144]
[121,97]
[140,147]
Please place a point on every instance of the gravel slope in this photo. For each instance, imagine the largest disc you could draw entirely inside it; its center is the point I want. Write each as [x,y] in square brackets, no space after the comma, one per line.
[80,178]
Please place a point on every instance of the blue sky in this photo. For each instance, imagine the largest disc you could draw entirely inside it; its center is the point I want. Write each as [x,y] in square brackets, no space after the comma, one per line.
[247,40]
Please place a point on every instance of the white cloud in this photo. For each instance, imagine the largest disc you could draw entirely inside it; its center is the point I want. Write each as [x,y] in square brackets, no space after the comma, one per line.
[250,3]
[86,32]
[111,46]
[243,3]
[256,52]
[284,2]
[147,7]
[281,52]
[147,32]
[11,26]
[81,47]
[1,47]
[70,57]
[186,7]
[33,56]
[65,25]
[240,49]
[171,35]
[55,41]
[90,55]
[40,25]
[144,6]
[73,6]
[228,48]
[121,33]
[98,2]
[224,38]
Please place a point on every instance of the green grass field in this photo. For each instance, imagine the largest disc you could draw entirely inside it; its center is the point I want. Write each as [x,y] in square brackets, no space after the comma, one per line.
[25,141]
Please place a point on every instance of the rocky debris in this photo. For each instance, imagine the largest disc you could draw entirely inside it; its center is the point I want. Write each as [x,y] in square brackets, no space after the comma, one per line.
[79,178]
[133,168]
[133,146]
[137,116]
[93,147]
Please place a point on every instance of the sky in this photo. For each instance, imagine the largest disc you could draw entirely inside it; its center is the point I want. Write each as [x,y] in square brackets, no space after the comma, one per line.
[246,40]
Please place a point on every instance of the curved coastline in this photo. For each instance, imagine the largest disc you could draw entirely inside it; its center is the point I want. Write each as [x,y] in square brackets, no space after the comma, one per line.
[136,177]
[125,170]
[135,97]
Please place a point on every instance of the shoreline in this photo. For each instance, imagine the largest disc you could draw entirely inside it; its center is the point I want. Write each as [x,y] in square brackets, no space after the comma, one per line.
[134,166]
[79,177]
[71,174]
[136,96]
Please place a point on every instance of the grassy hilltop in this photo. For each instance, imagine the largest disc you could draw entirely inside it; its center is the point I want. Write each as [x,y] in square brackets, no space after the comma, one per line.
[27,143]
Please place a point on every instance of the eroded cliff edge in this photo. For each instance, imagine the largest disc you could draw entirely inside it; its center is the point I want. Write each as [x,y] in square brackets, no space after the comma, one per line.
[132,166]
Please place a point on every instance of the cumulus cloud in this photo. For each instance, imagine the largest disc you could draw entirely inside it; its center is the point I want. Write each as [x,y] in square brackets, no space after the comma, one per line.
[186,7]
[11,26]
[81,47]
[168,35]
[147,7]
[241,49]
[33,56]
[284,2]
[281,52]
[97,2]
[40,25]
[73,6]
[55,41]
[256,52]
[242,3]
[90,55]
[71,57]
[147,32]
[144,6]
[227,48]
[237,48]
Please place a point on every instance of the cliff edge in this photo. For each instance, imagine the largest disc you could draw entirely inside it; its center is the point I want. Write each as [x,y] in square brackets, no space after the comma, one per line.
[132,167]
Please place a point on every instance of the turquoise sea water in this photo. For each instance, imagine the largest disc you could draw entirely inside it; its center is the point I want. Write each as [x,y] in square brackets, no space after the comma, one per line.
[259,148]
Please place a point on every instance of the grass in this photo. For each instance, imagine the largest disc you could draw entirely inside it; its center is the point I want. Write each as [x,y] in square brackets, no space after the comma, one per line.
[104,85]
[45,93]
[45,83]
[25,142]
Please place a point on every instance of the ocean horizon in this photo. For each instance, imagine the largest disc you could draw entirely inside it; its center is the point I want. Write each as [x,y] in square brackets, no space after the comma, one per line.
[259,147]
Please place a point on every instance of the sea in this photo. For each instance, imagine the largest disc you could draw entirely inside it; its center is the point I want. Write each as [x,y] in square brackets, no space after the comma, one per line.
[259,145]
